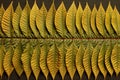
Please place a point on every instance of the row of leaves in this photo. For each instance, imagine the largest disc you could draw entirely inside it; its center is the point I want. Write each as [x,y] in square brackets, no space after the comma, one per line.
[60,23]
[51,56]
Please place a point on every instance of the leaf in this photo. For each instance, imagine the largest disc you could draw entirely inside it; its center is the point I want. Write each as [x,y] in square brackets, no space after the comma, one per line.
[16,60]
[35,61]
[101,59]
[60,18]
[7,63]
[79,27]
[40,21]
[115,58]
[86,21]
[100,21]
[52,60]
[7,21]
[33,14]
[87,59]
[93,21]
[115,21]
[108,18]
[2,54]
[70,59]
[24,21]
[2,10]
[62,65]
[43,59]
[79,60]
[70,20]
[50,21]
[108,59]
[26,59]
[16,20]
[94,60]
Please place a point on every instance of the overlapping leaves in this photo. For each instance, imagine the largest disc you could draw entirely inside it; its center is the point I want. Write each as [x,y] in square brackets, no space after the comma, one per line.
[55,23]
[52,57]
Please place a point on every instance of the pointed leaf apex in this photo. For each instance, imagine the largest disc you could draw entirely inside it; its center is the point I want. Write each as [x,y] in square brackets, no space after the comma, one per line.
[94,5]
[109,3]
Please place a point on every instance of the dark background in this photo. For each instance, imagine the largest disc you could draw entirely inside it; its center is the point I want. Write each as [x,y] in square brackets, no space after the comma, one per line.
[67,3]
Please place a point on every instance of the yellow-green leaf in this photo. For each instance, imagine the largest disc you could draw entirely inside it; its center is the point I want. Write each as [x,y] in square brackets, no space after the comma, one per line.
[7,63]
[2,10]
[100,21]
[87,59]
[40,21]
[52,60]
[115,21]
[79,14]
[7,21]
[24,21]
[16,60]
[2,54]
[26,58]
[115,58]
[94,60]
[108,59]
[70,59]
[62,65]
[108,18]
[16,20]
[79,60]
[43,59]
[70,20]
[33,13]
[101,59]
[60,18]
[35,61]
[50,21]
[93,21]
[86,21]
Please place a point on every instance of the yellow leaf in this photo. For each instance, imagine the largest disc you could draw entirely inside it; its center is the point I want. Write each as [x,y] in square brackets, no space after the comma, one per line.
[79,60]
[40,21]
[94,60]
[70,20]
[24,21]
[100,21]
[50,21]
[2,10]
[7,21]
[60,18]
[70,59]
[52,60]
[108,57]
[16,60]
[108,18]
[115,21]
[16,20]
[62,65]
[87,59]
[101,59]
[93,21]
[35,61]
[26,58]
[79,14]
[43,59]
[86,21]
[33,13]
[7,63]
[2,54]
[115,58]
